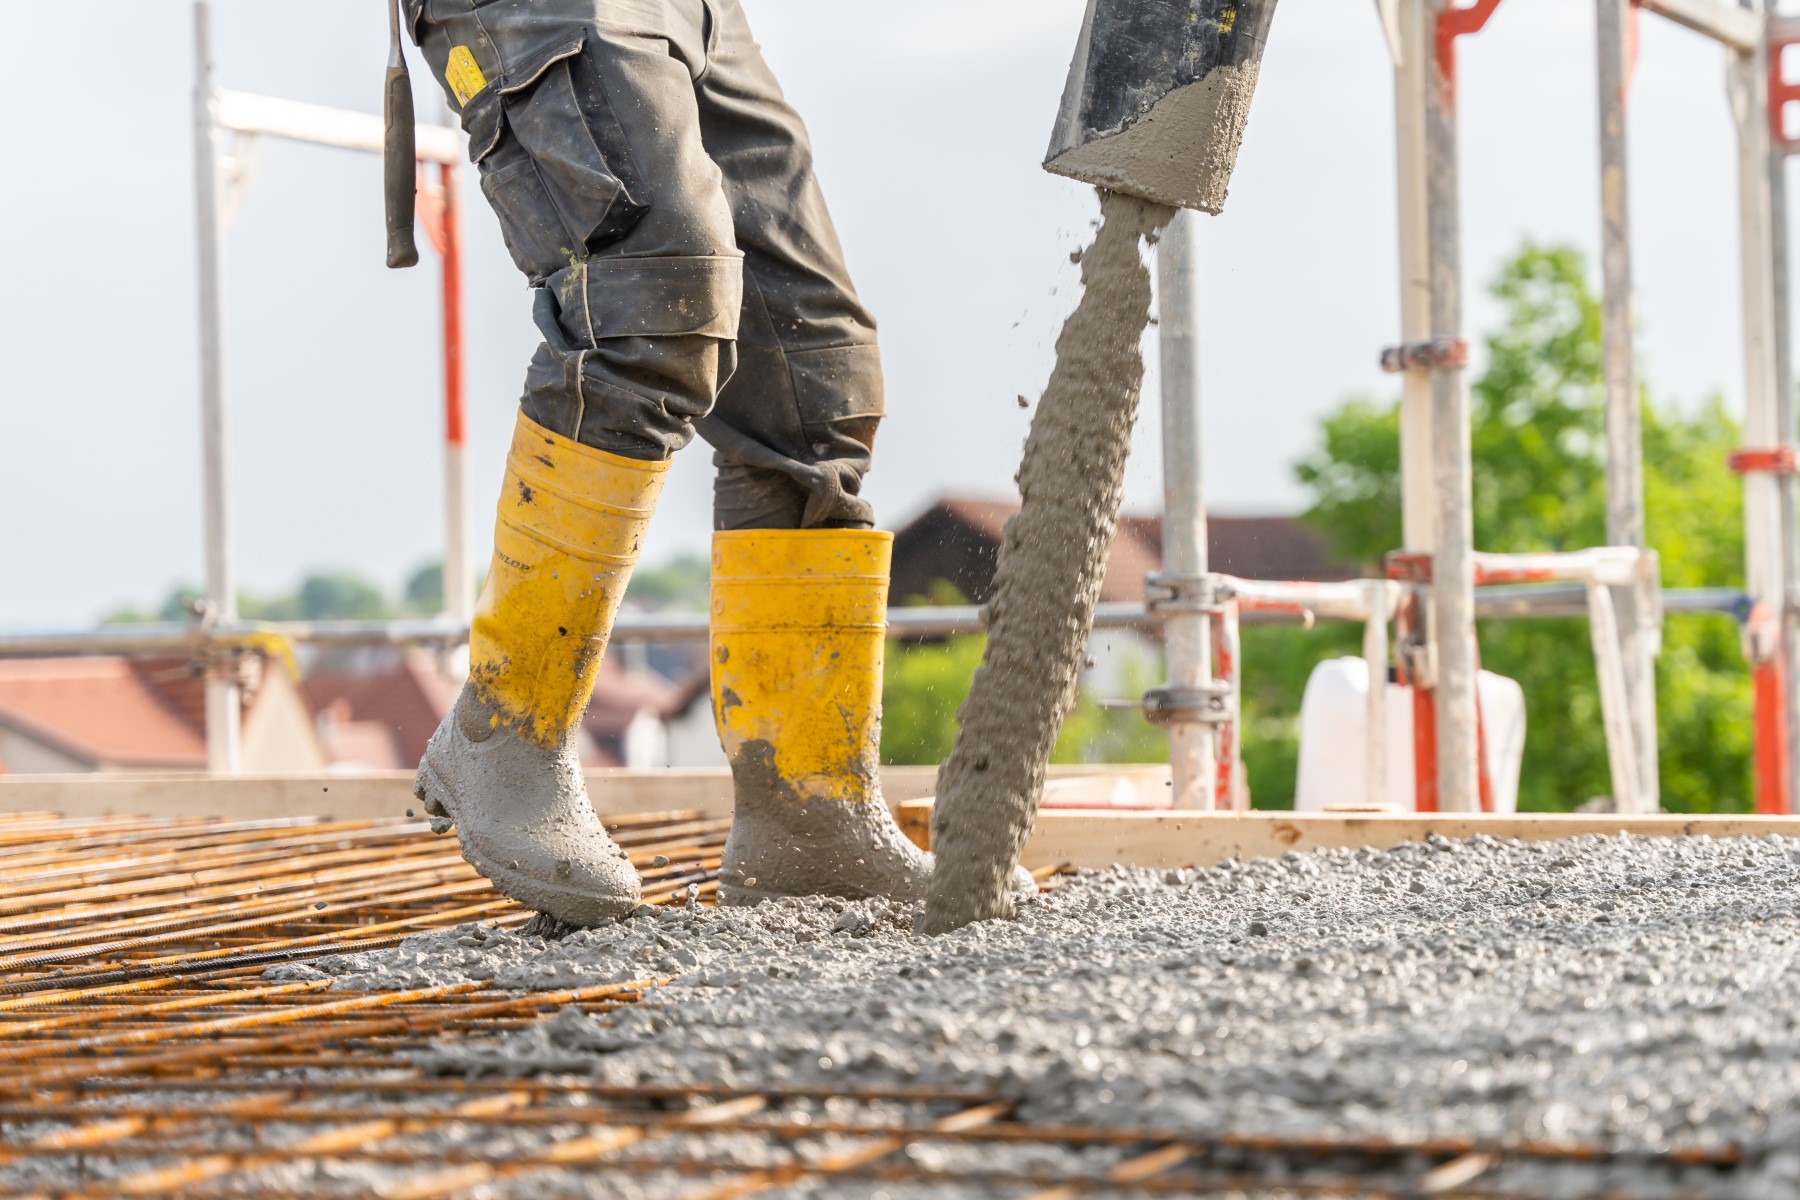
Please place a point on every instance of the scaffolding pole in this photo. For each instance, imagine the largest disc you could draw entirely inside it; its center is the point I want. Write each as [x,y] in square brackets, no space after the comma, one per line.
[1411,51]
[1765,555]
[1452,630]
[1625,525]
[1186,632]
[1780,33]
[223,708]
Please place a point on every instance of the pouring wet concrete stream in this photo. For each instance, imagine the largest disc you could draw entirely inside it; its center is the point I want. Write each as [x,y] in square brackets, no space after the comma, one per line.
[1052,560]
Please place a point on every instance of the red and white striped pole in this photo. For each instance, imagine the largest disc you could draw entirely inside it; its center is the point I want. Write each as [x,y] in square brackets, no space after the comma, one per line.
[437,212]
[458,598]
[1760,463]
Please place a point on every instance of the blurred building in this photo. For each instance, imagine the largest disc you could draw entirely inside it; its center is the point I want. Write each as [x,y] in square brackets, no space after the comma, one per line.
[952,549]
[114,714]
[104,713]
[379,718]
[380,715]
[957,541]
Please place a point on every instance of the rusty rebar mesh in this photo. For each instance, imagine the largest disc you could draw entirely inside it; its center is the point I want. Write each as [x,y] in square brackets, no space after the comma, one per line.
[143,1053]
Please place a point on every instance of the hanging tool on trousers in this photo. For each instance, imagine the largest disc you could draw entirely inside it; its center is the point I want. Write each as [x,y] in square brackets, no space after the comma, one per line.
[399,159]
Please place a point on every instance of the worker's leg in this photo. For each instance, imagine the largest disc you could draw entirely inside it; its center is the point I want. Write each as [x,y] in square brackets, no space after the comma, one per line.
[583,120]
[800,580]
[793,429]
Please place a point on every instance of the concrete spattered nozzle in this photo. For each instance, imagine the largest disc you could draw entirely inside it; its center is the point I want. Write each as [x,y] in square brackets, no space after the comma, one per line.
[1153,115]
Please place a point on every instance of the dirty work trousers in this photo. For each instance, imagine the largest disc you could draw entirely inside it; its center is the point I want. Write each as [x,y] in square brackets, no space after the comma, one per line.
[658,193]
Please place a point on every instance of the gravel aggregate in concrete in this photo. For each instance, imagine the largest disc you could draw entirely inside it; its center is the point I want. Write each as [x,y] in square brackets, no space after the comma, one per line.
[1631,991]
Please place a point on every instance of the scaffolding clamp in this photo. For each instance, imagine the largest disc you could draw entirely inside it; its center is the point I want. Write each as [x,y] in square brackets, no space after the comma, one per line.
[1166,595]
[1206,704]
[1775,460]
[1436,355]
[1417,662]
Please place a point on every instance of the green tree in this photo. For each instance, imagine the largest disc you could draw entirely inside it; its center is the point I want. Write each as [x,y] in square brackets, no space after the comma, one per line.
[1539,484]
[333,596]
[922,688]
[173,608]
[926,683]
[681,585]
[424,590]
[1096,733]
[321,596]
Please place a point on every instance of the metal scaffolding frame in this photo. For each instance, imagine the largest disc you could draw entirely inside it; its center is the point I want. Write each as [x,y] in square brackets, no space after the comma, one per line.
[220,181]
[1437,572]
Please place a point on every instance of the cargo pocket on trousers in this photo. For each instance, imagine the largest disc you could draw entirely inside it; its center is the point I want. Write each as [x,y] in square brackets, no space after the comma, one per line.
[554,162]
[837,388]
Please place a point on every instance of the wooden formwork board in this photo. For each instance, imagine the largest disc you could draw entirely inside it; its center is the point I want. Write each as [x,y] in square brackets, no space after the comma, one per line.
[364,794]
[370,794]
[1081,837]
[1167,838]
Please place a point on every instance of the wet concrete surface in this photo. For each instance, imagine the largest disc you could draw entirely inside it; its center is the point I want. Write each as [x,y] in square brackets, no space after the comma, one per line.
[1632,992]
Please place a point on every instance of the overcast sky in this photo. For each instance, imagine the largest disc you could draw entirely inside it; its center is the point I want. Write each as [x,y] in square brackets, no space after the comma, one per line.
[930,119]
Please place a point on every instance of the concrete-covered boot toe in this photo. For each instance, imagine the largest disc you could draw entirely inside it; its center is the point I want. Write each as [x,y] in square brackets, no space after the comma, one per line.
[798,625]
[524,820]
[781,845]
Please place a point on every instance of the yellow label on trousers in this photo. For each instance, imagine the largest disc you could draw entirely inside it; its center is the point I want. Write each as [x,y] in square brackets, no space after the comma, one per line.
[463,76]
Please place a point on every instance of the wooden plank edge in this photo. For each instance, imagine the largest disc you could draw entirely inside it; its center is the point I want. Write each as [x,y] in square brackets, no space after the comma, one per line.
[329,794]
[1166,838]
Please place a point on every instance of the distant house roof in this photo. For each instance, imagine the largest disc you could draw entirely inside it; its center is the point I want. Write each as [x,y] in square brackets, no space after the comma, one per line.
[1255,547]
[620,694]
[382,719]
[115,713]
[957,540]
[697,686]
[105,711]
[403,703]
[150,713]
[175,682]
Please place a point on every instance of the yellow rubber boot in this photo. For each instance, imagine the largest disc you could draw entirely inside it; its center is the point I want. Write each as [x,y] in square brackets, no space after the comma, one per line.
[502,768]
[799,623]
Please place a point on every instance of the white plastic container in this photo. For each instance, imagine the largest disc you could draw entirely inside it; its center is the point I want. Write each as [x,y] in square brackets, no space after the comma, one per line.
[1333,748]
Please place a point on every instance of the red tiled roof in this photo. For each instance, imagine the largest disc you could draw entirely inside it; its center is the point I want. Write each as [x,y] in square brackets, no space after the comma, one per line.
[696,686]
[173,680]
[987,516]
[98,709]
[619,695]
[384,718]
[408,701]
[595,757]
[1132,557]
